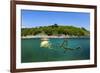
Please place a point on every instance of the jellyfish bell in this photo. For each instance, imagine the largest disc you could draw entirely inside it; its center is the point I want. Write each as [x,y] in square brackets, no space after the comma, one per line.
[45,43]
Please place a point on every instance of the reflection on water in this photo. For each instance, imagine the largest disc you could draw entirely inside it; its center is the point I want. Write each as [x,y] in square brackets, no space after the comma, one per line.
[54,49]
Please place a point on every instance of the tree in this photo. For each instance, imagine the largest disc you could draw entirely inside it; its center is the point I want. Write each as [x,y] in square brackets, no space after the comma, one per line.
[55,30]
[55,25]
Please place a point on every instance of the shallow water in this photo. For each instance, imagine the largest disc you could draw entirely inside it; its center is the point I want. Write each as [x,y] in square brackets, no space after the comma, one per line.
[31,51]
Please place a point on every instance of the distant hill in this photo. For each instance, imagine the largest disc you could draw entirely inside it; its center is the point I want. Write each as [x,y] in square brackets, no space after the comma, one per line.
[55,30]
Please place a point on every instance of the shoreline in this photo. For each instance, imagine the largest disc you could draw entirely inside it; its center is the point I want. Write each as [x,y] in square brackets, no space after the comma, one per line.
[55,37]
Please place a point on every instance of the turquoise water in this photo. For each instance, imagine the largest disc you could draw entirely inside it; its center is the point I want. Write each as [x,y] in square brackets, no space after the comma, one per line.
[78,49]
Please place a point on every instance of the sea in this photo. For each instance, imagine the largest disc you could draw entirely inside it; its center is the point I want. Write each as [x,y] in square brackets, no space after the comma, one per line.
[56,49]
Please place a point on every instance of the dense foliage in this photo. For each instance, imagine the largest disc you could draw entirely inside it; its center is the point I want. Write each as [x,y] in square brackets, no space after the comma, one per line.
[55,30]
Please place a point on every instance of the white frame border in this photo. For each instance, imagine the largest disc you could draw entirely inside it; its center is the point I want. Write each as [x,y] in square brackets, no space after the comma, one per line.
[20,65]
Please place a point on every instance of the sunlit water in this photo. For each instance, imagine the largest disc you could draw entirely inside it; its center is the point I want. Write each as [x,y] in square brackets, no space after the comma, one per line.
[31,50]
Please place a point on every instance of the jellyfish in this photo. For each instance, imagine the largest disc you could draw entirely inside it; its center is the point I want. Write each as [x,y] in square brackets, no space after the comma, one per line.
[45,43]
[64,45]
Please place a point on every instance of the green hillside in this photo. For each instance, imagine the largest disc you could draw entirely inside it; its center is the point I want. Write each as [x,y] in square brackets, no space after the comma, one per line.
[55,30]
